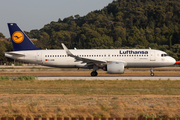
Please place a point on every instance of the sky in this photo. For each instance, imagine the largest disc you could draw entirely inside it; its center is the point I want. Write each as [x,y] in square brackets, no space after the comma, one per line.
[34,14]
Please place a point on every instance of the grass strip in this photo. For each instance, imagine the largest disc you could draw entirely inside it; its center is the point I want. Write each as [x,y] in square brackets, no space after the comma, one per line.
[25,77]
[94,87]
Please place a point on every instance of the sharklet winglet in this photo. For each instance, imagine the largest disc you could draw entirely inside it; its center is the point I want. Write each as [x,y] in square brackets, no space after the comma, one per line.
[67,50]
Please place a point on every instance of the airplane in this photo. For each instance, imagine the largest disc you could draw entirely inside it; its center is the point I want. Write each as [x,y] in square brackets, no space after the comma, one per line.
[114,61]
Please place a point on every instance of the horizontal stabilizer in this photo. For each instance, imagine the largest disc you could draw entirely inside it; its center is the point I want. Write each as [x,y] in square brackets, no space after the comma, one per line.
[15,54]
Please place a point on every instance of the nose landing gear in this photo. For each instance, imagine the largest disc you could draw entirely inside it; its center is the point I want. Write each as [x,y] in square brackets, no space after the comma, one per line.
[151,70]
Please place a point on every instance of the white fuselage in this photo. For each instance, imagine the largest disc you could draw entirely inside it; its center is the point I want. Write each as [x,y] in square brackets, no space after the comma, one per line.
[132,58]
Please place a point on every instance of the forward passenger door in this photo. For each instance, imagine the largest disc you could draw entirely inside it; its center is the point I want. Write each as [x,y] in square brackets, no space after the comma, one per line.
[153,56]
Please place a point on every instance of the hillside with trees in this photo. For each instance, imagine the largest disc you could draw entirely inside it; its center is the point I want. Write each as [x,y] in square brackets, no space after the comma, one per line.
[121,24]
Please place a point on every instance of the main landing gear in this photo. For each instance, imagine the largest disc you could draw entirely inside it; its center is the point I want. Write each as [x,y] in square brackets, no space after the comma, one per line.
[151,70]
[94,73]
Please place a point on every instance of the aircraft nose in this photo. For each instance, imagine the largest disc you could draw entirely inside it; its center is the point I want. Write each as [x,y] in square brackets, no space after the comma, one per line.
[173,61]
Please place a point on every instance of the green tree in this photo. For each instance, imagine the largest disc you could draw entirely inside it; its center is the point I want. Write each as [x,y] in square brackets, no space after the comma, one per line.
[44,41]
[119,34]
[77,16]
[2,50]
[1,35]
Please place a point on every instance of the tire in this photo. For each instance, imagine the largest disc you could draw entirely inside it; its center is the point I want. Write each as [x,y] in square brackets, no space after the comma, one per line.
[94,73]
[152,74]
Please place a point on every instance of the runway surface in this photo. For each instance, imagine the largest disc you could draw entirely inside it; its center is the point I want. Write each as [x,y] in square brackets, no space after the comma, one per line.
[109,78]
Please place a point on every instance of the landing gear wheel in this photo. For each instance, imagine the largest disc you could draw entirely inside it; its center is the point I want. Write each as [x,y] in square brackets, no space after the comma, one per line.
[151,70]
[94,73]
[152,74]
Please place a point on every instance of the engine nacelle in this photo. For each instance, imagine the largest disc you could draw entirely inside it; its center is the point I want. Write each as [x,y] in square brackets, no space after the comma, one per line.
[115,68]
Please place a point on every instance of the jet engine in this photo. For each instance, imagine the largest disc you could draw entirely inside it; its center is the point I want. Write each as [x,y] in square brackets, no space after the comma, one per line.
[115,68]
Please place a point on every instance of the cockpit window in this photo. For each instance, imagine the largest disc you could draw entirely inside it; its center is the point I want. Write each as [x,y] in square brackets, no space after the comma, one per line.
[164,55]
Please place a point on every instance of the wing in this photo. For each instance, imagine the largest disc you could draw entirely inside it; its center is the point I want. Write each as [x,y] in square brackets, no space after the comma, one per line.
[84,60]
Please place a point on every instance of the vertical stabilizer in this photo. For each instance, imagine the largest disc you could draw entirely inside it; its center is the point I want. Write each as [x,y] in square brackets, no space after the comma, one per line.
[19,39]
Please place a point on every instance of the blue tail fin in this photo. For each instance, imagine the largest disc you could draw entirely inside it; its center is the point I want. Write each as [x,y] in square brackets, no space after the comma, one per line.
[19,39]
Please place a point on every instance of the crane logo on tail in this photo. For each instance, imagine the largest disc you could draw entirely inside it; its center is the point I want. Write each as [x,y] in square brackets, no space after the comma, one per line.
[18,37]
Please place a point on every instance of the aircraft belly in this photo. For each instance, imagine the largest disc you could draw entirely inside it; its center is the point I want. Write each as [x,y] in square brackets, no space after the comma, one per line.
[144,64]
[18,58]
[58,65]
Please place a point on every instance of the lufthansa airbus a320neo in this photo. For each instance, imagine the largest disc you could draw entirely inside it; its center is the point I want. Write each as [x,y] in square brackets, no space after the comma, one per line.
[111,60]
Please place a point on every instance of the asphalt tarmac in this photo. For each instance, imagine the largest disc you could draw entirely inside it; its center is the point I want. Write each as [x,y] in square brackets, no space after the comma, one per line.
[111,78]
